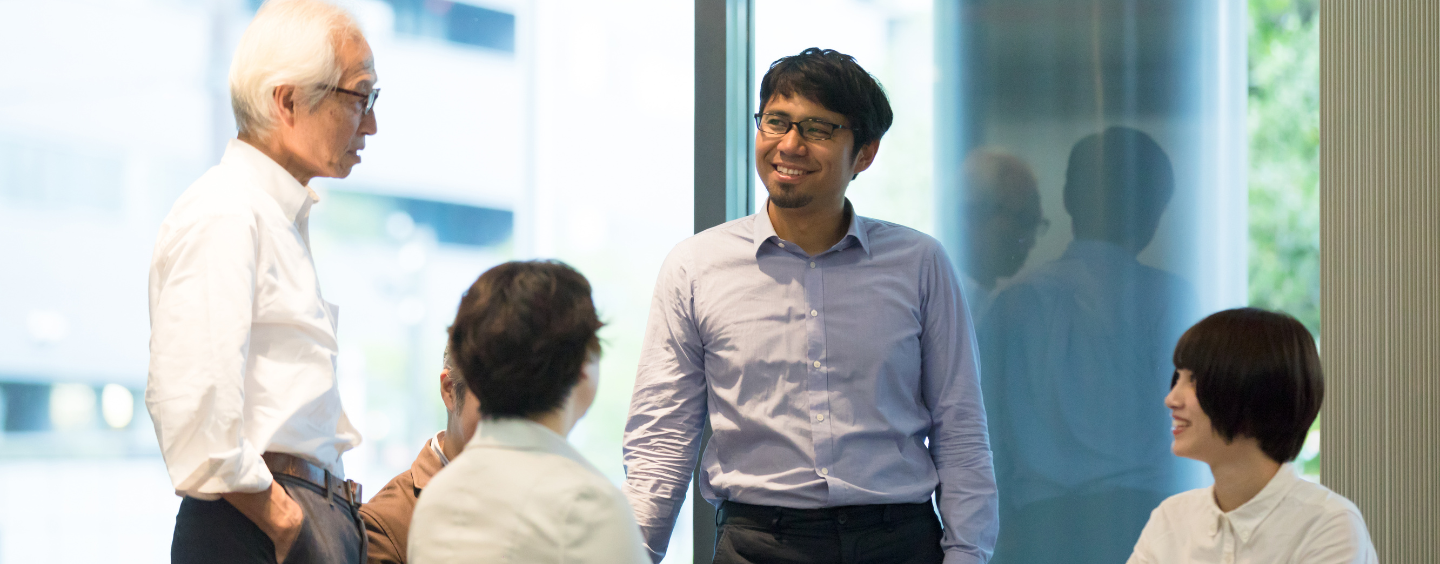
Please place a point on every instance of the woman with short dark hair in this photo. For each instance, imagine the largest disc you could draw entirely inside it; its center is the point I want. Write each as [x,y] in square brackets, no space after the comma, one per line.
[1246,388]
[525,341]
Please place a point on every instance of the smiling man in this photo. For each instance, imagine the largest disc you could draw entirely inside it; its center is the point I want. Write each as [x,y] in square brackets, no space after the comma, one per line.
[242,385]
[831,353]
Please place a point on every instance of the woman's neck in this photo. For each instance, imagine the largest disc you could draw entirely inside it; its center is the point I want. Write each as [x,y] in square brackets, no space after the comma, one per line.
[1239,478]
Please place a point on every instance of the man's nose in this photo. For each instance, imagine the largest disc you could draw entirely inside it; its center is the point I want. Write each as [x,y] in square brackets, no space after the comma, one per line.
[792,142]
[368,125]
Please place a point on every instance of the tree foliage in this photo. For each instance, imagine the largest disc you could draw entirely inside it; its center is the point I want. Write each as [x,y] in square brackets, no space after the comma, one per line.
[1284,126]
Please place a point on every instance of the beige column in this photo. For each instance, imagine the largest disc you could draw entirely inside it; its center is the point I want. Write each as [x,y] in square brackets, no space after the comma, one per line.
[1380,267]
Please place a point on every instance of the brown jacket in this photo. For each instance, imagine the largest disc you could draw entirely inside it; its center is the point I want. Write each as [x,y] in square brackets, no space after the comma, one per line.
[387,515]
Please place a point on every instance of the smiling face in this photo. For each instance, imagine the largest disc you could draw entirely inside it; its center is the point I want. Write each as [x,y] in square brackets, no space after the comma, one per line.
[328,138]
[1195,438]
[800,173]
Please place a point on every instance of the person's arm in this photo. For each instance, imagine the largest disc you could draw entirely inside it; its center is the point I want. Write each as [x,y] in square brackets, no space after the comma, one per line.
[381,548]
[277,515]
[968,502]
[202,290]
[667,410]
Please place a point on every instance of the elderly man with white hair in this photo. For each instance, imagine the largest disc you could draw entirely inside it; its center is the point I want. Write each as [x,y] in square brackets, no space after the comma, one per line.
[242,385]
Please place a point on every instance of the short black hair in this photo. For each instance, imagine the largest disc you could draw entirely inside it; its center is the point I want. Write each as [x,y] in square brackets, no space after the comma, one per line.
[522,334]
[1117,184]
[835,81]
[1257,374]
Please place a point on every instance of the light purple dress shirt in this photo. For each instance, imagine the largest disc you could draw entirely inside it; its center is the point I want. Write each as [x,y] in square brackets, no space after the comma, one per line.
[847,378]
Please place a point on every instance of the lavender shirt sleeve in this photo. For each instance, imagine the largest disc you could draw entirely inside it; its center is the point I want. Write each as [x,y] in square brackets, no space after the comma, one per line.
[667,410]
[950,378]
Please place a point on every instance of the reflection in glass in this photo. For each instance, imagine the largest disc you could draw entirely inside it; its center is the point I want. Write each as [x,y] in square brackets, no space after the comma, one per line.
[1000,218]
[1122,122]
[1075,353]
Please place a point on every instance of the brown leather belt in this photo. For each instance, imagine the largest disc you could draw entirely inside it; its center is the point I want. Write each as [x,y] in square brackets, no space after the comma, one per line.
[296,467]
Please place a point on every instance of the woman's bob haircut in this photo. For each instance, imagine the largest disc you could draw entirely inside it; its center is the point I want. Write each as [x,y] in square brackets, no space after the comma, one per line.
[1256,374]
[290,42]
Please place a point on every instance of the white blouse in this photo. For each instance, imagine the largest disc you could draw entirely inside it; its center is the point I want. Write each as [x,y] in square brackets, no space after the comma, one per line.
[520,494]
[242,345]
[1291,520]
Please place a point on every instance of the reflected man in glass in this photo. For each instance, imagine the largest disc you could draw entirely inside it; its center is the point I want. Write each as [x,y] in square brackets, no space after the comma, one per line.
[1076,356]
[831,354]
[1001,221]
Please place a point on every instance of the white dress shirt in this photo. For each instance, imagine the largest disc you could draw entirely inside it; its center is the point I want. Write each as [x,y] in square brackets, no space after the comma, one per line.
[1291,520]
[519,493]
[242,346]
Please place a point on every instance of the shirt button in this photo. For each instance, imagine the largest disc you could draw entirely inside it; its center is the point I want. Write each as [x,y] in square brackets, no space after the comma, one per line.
[814,313]
[782,245]
[824,471]
[819,416]
[812,264]
[817,364]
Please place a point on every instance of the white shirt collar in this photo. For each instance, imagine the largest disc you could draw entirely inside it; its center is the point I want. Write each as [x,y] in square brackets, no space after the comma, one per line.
[294,198]
[440,452]
[1248,517]
[526,435]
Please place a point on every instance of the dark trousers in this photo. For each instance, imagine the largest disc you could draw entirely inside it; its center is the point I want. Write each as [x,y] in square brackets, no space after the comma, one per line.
[906,533]
[214,532]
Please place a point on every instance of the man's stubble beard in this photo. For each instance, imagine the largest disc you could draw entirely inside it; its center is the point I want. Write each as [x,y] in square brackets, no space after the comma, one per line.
[786,198]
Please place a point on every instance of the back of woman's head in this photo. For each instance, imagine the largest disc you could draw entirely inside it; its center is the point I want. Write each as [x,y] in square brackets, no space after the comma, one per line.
[522,334]
[1257,374]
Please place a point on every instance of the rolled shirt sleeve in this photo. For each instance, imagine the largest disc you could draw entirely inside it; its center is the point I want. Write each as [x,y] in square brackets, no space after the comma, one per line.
[202,288]
[959,445]
[667,410]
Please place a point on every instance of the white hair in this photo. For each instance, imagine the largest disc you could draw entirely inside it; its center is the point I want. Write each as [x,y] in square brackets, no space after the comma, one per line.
[292,42]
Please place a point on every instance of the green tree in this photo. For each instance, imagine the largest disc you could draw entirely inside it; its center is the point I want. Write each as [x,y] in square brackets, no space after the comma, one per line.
[1284,125]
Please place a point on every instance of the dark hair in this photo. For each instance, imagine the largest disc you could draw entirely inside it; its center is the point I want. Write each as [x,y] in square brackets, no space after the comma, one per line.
[523,332]
[1256,374]
[1117,184]
[835,81]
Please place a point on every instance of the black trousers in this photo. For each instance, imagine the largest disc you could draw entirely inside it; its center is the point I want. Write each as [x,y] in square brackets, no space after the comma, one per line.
[214,532]
[857,534]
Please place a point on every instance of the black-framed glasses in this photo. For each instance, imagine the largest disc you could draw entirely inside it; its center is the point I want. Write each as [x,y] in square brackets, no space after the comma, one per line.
[812,129]
[369,98]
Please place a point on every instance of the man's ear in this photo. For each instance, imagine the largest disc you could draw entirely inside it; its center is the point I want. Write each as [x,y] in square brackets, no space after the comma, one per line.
[447,390]
[284,99]
[865,156]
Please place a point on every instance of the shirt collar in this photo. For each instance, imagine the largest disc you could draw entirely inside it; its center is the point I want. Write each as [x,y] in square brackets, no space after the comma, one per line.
[526,435]
[1248,517]
[430,461]
[274,180]
[765,231]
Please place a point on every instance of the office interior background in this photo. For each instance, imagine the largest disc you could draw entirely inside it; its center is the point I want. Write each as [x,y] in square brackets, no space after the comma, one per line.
[513,129]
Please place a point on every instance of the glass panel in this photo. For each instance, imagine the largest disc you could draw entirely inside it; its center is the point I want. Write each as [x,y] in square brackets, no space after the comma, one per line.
[501,131]
[1126,119]
[1085,165]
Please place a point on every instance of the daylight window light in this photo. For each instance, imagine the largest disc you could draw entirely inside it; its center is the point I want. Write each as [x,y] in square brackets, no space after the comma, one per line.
[72,406]
[117,406]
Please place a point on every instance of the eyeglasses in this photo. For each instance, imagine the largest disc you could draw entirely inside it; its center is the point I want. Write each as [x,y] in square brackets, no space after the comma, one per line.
[369,98]
[812,129]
